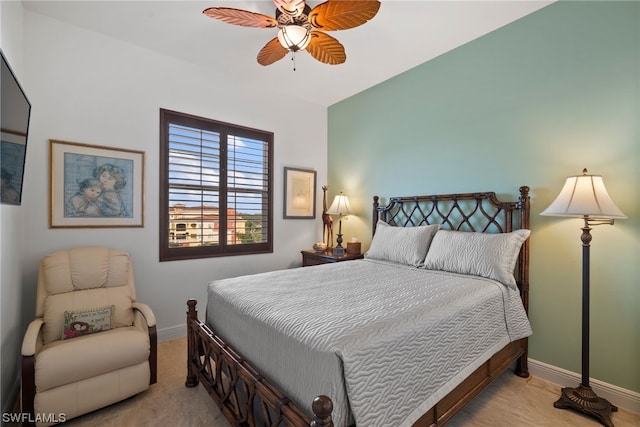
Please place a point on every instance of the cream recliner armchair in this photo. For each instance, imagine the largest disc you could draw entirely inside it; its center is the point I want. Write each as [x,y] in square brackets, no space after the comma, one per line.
[91,343]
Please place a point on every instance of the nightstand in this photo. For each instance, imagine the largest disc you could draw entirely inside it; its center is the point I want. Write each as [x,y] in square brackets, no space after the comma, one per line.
[315,258]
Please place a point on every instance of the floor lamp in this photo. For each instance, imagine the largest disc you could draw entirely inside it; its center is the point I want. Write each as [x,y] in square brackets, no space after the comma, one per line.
[585,196]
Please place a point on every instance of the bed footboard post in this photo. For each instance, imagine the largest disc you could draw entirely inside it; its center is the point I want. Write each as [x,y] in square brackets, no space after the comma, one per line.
[322,407]
[192,346]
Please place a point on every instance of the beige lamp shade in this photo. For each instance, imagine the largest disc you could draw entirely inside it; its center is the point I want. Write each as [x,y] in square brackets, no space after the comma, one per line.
[294,37]
[340,206]
[584,195]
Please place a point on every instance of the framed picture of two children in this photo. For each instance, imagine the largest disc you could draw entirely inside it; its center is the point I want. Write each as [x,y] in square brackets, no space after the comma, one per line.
[94,186]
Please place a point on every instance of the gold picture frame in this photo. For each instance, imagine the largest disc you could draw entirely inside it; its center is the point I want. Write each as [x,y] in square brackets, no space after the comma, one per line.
[93,186]
[299,193]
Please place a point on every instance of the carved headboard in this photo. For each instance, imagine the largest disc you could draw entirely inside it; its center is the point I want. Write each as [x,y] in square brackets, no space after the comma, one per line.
[475,212]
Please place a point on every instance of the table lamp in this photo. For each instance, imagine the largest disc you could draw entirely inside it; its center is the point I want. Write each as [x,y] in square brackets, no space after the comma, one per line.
[340,207]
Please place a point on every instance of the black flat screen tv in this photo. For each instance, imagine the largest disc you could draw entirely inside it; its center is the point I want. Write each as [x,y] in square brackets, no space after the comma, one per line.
[15,112]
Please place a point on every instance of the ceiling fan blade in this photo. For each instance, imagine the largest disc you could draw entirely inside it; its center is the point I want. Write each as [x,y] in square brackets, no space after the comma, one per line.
[326,49]
[243,18]
[271,52]
[343,14]
[290,7]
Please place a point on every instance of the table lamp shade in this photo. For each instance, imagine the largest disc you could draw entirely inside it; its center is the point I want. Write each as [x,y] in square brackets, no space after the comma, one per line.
[584,195]
[340,206]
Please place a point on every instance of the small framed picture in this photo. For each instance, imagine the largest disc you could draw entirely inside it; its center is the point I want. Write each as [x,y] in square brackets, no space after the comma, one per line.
[93,186]
[299,193]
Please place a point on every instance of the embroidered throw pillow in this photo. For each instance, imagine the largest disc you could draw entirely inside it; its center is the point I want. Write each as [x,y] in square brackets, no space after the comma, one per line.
[91,321]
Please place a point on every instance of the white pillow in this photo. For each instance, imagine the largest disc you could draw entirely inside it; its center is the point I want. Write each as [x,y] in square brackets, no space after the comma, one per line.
[405,245]
[480,254]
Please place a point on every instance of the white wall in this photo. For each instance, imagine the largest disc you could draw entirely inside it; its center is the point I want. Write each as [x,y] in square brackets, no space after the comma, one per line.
[88,88]
[12,227]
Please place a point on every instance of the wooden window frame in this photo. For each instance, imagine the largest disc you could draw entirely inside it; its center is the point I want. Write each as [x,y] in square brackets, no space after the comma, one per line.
[168,253]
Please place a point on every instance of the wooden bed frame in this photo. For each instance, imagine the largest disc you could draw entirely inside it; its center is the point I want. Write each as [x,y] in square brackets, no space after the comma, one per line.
[248,399]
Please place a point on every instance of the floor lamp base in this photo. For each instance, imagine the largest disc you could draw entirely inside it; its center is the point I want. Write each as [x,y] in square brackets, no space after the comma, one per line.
[583,399]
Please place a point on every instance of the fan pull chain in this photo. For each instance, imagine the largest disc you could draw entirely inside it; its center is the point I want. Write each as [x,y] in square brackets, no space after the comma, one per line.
[293,58]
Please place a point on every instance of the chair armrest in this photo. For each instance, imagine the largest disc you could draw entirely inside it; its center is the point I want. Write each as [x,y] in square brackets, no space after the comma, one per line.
[32,338]
[146,312]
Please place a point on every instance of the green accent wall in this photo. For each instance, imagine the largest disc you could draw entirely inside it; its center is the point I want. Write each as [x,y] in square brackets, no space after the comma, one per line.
[528,104]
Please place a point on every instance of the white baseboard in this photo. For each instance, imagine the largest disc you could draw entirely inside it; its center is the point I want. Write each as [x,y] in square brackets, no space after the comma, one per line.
[622,398]
[172,332]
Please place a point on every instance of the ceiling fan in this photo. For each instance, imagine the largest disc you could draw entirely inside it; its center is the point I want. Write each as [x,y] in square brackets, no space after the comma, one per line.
[301,27]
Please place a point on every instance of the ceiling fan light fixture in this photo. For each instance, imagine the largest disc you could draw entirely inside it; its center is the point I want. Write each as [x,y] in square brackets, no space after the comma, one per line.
[294,37]
[301,27]
[293,9]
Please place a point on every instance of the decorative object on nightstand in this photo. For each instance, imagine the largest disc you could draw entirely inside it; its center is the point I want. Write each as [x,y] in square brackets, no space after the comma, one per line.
[319,246]
[354,247]
[585,196]
[340,207]
[327,221]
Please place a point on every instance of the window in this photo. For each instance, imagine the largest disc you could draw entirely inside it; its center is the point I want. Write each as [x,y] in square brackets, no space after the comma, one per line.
[216,182]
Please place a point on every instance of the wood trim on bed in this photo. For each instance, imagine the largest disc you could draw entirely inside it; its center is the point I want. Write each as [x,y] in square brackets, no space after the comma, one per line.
[245,397]
[248,399]
[453,402]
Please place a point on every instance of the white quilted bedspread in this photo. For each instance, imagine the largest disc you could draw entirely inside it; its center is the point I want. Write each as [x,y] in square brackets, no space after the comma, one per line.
[393,339]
